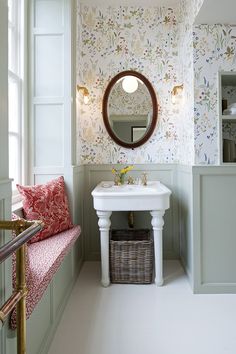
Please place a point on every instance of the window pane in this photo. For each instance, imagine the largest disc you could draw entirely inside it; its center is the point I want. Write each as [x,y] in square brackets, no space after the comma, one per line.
[12,51]
[10,10]
[14,159]
[15,103]
[13,107]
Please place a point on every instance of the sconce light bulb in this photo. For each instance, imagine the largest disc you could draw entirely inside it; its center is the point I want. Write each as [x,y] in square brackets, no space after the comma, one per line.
[173,99]
[177,94]
[84,93]
[86,99]
[130,84]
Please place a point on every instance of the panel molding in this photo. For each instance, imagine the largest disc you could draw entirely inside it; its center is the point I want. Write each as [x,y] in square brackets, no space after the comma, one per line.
[4,90]
[61,28]
[185,218]
[5,268]
[50,299]
[203,262]
[5,183]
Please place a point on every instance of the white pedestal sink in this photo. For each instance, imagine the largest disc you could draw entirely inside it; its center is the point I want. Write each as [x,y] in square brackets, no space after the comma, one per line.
[154,197]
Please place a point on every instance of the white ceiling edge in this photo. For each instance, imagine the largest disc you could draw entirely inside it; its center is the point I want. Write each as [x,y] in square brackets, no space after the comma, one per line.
[143,3]
[217,12]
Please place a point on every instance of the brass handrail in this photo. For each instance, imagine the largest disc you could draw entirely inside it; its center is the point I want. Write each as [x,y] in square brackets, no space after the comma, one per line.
[14,244]
[24,230]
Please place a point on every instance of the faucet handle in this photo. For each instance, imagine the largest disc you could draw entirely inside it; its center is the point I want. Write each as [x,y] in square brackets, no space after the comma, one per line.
[144,178]
[130,180]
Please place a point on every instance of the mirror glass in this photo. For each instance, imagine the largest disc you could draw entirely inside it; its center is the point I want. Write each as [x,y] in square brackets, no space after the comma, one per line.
[130,109]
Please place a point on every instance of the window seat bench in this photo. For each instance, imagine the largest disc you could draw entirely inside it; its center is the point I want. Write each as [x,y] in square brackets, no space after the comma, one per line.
[43,259]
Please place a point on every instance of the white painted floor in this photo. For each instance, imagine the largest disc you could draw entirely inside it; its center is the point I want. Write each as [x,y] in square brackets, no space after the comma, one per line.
[145,319]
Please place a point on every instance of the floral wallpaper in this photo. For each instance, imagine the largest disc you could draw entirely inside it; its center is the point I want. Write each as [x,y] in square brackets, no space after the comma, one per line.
[113,39]
[214,50]
[160,43]
[186,127]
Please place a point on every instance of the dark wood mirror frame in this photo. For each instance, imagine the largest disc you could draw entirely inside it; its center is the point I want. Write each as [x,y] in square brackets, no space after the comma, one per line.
[154,109]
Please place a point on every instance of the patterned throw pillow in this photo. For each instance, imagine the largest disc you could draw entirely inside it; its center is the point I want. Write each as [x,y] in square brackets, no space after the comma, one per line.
[47,202]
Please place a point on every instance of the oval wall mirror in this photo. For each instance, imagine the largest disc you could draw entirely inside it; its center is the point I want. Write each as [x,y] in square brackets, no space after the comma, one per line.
[129,109]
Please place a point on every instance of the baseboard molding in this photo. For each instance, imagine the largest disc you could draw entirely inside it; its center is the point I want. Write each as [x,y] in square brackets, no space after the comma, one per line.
[215,288]
[187,271]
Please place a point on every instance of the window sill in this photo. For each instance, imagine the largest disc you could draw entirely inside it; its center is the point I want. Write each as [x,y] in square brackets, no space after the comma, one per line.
[17,207]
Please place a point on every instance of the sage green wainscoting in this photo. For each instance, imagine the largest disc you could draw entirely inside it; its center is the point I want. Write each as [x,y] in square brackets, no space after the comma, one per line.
[199,229]
[207,205]
[5,183]
[185,218]
[5,268]
[47,314]
[77,207]
[166,173]
[214,229]
[200,226]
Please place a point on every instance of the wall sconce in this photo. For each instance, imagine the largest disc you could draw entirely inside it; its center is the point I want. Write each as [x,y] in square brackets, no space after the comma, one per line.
[84,92]
[177,93]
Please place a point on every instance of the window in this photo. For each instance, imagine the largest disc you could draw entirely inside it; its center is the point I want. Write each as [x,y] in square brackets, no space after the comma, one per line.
[15,84]
[15,90]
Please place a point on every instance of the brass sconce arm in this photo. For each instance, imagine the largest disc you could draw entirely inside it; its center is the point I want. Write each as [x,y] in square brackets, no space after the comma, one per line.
[83,90]
[176,93]
[85,93]
[177,89]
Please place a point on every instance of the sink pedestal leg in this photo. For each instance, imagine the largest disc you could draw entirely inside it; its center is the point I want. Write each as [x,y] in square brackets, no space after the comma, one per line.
[104,224]
[157,224]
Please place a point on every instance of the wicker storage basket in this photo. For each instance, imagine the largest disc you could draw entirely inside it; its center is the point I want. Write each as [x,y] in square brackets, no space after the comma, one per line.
[131,256]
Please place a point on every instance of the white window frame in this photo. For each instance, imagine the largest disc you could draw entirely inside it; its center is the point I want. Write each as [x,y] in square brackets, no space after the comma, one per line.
[18,76]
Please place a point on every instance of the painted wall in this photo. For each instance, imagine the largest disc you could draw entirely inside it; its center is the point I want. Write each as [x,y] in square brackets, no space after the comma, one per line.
[214,50]
[112,39]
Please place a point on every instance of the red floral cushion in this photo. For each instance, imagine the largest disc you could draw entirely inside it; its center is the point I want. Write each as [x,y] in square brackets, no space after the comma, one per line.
[47,202]
[43,260]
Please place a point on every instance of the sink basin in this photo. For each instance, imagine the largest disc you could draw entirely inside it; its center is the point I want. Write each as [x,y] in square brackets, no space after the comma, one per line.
[154,196]
[126,188]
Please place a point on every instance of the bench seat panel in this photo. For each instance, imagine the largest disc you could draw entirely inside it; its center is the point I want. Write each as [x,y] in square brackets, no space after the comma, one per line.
[44,259]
